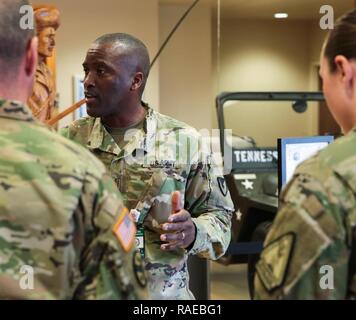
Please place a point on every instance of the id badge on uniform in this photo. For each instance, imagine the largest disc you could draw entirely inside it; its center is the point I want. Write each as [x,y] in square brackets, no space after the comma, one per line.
[140,241]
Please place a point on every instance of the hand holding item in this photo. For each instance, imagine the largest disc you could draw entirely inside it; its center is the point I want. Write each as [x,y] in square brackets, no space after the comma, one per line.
[180,227]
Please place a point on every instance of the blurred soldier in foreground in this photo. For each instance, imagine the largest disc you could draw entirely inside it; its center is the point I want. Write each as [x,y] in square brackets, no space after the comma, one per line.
[310,251]
[176,194]
[64,231]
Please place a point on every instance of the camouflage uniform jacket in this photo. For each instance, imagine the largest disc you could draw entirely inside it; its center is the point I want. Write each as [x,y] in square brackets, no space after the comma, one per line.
[307,250]
[165,156]
[58,208]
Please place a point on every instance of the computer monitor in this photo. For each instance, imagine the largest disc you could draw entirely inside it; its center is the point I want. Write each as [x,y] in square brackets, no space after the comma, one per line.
[293,151]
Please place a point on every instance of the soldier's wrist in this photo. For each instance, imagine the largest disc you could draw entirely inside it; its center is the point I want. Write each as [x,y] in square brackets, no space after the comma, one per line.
[190,247]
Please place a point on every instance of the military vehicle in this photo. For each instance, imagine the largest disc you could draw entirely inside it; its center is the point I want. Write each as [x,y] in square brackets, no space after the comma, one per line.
[253,179]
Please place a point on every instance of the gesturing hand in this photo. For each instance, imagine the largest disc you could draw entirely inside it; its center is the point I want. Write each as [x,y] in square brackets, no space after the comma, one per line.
[180,226]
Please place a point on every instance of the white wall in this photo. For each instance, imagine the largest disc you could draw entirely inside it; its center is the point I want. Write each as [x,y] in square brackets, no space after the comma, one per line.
[265,56]
[316,39]
[186,66]
[84,21]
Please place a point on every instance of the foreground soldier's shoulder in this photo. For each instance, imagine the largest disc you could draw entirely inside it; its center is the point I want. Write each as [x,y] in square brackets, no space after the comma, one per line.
[80,157]
[78,126]
[92,164]
[304,227]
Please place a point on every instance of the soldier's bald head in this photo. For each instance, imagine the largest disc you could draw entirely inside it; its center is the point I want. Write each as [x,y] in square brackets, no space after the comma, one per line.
[13,39]
[133,48]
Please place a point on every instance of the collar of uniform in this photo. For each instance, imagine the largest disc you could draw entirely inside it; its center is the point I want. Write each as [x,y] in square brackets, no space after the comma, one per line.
[150,127]
[15,110]
[101,139]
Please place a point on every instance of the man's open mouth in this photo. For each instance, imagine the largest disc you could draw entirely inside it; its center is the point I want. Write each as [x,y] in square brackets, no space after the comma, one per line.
[90,97]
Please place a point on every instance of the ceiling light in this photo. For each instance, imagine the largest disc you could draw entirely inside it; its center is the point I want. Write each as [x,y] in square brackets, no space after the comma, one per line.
[281,15]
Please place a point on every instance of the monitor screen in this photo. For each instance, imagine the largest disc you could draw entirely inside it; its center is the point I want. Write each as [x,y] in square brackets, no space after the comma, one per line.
[293,151]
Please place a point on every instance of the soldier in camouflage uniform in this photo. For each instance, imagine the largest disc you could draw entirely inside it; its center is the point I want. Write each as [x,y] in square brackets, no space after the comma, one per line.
[309,252]
[64,231]
[176,194]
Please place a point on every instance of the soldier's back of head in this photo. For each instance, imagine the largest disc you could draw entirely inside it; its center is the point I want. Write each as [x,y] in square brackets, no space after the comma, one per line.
[60,213]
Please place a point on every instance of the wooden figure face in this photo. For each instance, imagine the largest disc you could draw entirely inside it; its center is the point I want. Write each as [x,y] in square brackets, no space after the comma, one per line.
[46,42]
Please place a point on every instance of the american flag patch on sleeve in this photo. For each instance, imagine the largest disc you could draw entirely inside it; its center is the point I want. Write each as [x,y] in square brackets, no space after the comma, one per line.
[125,230]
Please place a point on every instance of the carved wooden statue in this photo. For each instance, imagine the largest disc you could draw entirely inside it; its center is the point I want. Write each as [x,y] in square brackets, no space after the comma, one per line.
[42,101]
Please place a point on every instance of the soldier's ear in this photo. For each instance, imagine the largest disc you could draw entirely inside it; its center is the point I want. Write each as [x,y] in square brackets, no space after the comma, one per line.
[346,74]
[137,81]
[31,57]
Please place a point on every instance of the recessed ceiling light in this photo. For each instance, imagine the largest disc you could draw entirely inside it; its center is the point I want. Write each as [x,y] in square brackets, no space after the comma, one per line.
[281,15]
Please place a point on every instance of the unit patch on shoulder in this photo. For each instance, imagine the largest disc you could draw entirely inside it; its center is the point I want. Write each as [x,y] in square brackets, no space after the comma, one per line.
[222,186]
[273,265]
[139,269]
[125,230]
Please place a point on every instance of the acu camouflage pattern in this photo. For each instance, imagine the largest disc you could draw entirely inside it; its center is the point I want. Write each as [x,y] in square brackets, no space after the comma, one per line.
[57,209]
[318,207]
[165,156]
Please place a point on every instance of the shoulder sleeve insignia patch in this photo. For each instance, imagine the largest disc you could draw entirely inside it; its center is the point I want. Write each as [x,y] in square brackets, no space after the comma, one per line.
[139,269]
[274,262]
[125,230]
[222,186]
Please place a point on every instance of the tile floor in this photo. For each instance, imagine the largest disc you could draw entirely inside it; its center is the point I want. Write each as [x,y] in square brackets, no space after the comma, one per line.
[228,282]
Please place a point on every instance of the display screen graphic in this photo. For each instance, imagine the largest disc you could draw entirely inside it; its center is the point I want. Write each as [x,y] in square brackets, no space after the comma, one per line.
[293,151]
